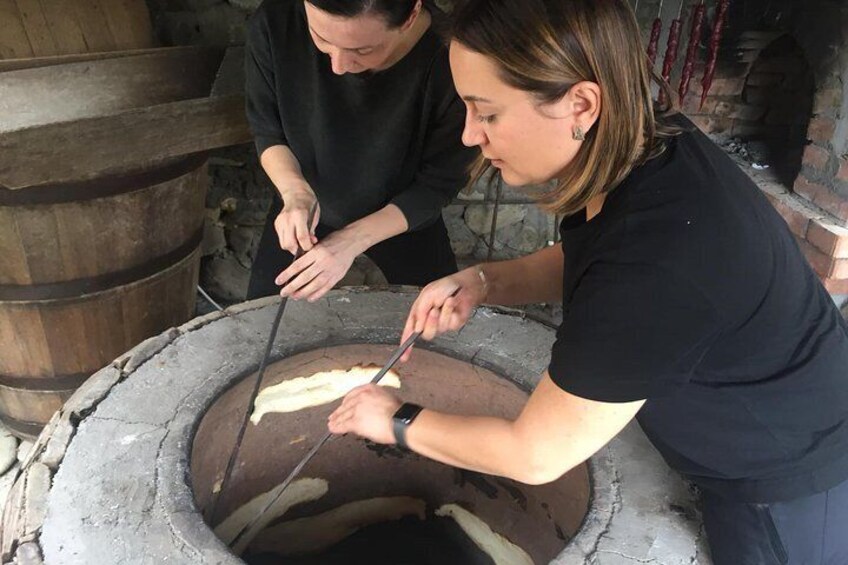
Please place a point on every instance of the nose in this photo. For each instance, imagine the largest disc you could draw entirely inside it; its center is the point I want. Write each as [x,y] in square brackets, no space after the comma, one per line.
[472,133]
[340,61]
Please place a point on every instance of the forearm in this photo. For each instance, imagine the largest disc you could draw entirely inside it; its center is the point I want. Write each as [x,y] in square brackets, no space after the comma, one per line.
[483,444]
[527,280]
[386,222]
[283,169]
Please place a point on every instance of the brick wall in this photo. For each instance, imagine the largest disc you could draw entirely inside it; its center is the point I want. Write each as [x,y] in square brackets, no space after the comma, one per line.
[780,77]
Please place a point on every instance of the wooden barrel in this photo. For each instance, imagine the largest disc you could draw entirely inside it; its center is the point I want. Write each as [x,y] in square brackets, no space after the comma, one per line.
[89,270]
[40,28]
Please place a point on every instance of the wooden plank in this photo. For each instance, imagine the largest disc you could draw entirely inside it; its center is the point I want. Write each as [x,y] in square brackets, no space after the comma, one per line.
[36,28]
[90,147]
[94,26]
[129,23]
[17,64]
[63,27]
[13,38]
[33,97]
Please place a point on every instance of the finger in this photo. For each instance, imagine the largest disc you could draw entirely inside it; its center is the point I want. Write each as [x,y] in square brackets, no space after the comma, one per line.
[295,268]
[320,281]
[303,235]
[284,233]
[408,330]
[431,325]
[318,294]
[445,315]
[301,280]
[316,218]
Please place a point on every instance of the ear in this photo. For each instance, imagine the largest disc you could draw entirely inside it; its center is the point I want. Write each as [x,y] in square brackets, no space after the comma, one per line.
[582,103]
[416,11]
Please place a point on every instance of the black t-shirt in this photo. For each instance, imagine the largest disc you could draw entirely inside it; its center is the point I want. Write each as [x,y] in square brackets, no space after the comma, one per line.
[363,140]
[689,290]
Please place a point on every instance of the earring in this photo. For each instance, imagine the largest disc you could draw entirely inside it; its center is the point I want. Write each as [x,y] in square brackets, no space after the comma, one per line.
[578,134]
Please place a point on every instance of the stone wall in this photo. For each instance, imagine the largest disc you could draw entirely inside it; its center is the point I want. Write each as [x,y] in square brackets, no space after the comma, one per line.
[764,84]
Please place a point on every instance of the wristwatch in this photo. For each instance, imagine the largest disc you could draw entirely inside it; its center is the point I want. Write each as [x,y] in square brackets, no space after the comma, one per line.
[404,416]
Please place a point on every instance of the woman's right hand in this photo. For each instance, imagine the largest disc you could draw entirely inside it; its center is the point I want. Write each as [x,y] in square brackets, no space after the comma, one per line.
[445,305]
[292,223]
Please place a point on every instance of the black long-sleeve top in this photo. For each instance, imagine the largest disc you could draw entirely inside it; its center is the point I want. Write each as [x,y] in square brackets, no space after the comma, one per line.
[362,140]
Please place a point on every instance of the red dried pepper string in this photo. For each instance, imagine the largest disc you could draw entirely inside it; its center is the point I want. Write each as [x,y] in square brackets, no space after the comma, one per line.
[692,50]
[654,42]
[671,50]
[712,57]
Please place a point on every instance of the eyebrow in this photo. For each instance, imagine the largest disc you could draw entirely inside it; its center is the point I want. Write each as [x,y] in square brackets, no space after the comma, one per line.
[472,98]
[345,48]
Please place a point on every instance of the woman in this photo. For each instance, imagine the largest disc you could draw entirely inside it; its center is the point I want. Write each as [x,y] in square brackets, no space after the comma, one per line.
[351,103]
[687,303]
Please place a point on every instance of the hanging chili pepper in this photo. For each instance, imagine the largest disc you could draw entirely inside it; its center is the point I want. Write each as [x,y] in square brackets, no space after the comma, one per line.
[712,57]
[692,50]
[672,49]
[653,43]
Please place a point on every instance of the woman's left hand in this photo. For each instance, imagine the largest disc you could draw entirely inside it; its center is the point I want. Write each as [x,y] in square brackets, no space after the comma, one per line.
[318,270]
[367,412]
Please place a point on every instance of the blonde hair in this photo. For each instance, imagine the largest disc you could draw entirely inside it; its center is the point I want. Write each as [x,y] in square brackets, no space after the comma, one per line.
[544,47]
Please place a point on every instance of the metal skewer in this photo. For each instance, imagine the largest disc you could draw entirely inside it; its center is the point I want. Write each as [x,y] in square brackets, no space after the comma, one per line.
[275,326]
[299,467]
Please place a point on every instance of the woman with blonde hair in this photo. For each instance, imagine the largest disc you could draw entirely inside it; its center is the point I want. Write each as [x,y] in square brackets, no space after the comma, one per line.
[687,302]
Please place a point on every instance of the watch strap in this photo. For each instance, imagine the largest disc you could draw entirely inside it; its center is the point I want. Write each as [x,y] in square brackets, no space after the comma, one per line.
[401,420]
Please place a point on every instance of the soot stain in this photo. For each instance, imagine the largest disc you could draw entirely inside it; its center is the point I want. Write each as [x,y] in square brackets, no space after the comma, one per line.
[478,481]
[516,493]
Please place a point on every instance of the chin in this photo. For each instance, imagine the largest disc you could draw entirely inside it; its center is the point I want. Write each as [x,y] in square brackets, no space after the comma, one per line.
[512,178]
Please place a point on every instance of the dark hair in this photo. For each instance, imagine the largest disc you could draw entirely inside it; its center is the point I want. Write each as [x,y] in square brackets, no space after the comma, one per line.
[394,12]
[544,47]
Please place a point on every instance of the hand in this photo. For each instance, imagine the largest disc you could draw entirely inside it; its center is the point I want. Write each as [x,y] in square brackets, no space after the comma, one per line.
[293,221]
[444,305]
[317,271]
[367,412]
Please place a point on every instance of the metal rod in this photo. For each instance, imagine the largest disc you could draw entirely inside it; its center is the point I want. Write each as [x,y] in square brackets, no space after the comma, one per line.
[494,228]
[275,326]
[209,299]
[311,453]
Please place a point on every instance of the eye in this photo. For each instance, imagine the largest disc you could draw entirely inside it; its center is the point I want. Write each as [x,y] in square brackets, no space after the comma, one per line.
[486,119]
[363,52]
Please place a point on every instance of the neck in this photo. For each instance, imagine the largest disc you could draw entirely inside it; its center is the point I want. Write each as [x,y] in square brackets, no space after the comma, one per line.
[409,38]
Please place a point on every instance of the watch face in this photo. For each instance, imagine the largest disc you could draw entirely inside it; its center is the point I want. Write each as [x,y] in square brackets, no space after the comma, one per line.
[407,412]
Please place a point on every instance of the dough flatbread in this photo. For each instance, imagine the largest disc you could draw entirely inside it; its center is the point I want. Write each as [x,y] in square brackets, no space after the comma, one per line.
[321,388]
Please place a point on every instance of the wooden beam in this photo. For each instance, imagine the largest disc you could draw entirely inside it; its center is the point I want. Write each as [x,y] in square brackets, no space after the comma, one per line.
[90,147]
[37,62]
[71,91]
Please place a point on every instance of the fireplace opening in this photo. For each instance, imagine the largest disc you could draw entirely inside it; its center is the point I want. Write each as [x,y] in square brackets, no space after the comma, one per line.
[779,90]
[361,502]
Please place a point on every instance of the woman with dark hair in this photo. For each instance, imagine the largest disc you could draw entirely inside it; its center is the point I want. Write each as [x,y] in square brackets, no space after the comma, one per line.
[351,104]
[687,302]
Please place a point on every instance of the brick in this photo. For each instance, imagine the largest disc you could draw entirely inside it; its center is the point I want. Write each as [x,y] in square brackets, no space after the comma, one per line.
[712,124]
[816,157]
[836,286]
[692,105]
[796,220]
[842,174]
[822,264]
[747,112]
[822,197]
[727,86]
[821,130]
[827,101]
[840,269]
[829,238]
